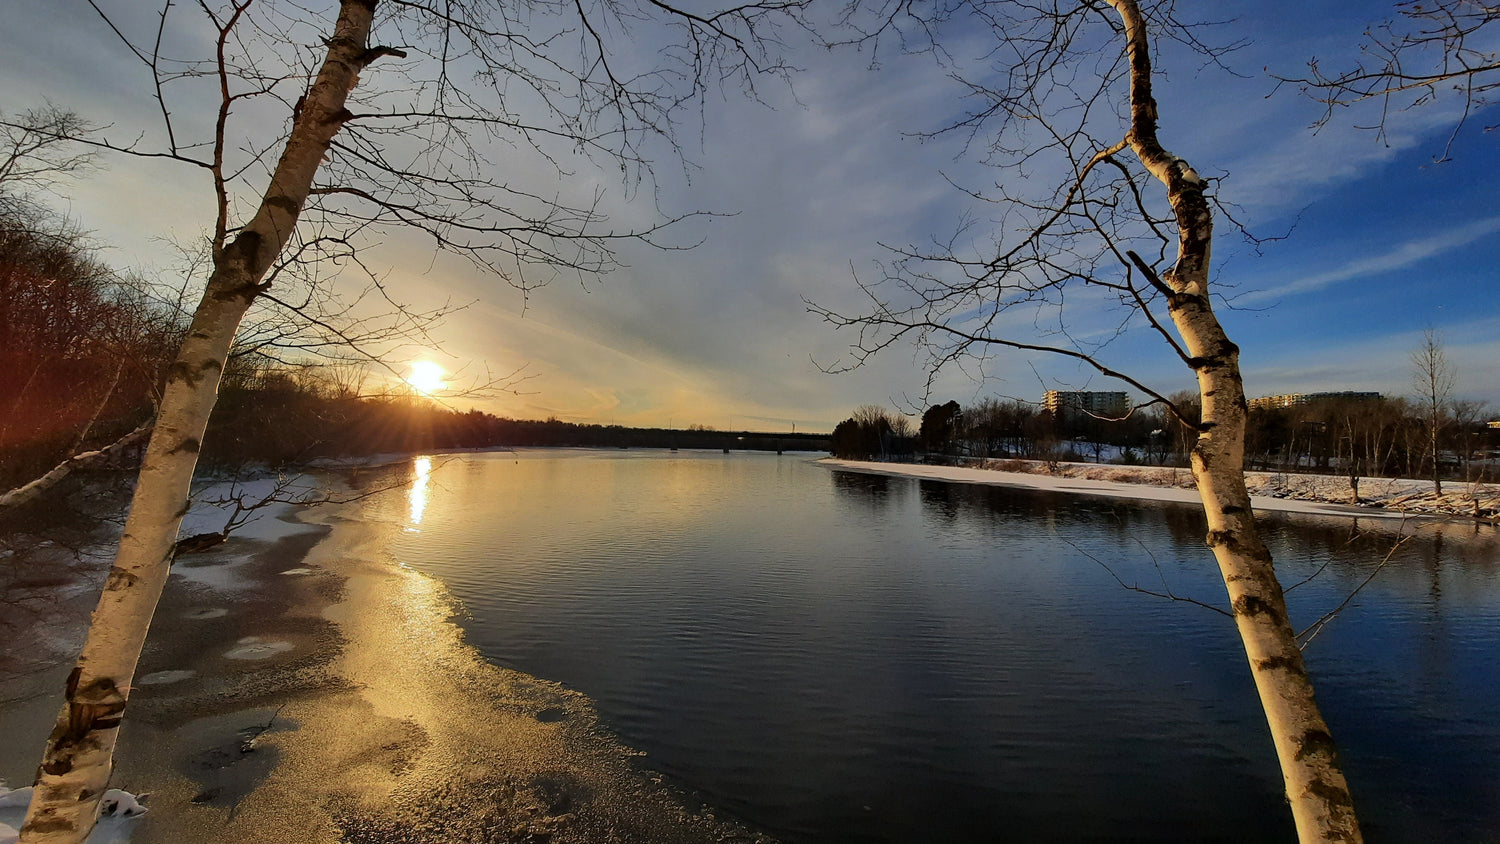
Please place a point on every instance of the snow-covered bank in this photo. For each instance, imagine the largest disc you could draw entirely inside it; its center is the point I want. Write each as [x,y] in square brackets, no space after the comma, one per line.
[1327,495]
[116,814]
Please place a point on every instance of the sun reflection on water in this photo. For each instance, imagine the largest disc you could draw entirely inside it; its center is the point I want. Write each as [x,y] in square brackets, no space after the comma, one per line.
[422,471]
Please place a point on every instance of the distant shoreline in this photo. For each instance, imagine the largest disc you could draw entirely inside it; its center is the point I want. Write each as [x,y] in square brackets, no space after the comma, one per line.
[1321,495]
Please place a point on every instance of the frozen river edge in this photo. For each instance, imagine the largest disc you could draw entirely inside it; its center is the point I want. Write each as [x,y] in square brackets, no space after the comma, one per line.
[301,686]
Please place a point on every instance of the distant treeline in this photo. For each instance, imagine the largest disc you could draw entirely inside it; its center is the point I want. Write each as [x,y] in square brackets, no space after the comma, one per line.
[82,347]
[281,417]
[1365,437]
[84,351]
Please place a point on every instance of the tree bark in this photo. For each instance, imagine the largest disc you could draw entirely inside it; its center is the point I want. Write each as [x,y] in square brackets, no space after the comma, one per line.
[1315,786]
[76,766]
[33,490]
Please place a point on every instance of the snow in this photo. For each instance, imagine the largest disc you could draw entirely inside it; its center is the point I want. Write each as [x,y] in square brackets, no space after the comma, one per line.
[162,678]
[116,813]
[1382,498]
[253,647]
[213,504]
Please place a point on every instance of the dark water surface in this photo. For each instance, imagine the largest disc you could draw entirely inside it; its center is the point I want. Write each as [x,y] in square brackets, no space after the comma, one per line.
[841,657]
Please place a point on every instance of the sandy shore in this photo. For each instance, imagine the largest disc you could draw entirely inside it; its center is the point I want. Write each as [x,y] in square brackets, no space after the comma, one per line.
[302,687]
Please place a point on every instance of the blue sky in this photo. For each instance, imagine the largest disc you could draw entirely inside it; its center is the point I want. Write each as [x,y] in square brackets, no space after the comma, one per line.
[1383,243]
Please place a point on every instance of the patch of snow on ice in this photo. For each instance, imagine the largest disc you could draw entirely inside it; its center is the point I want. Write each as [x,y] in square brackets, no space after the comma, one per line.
[251,647]
[122,804]
[268,523]
[162,678]
[219,572]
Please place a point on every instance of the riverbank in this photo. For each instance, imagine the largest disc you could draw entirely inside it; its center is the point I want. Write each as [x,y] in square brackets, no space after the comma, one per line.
[301,686]
[1326,495]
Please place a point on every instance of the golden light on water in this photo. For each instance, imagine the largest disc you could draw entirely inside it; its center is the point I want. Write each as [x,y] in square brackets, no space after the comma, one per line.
[422,470]
[426,377]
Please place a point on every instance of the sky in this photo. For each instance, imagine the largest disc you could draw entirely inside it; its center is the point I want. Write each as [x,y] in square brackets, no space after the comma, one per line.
[1380,242]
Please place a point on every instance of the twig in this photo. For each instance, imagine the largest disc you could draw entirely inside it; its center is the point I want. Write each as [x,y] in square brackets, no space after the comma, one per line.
[1169,595]
[1311,632]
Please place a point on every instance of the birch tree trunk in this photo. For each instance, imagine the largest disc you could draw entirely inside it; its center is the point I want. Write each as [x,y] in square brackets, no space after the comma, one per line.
[33,490]
[1315,786]
[76,767]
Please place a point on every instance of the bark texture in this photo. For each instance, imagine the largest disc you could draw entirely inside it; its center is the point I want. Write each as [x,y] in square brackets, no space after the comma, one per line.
[33,490]
[76,766]
[1315,786]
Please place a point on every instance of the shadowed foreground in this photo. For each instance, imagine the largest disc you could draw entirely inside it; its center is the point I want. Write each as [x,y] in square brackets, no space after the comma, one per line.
[321,694]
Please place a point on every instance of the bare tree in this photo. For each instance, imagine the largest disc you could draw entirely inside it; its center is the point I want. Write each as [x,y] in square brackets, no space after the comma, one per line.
[1065,101]
[35,155]
[1427,48]
[1433,379]
[388,117]
[79,354]
[1469,417]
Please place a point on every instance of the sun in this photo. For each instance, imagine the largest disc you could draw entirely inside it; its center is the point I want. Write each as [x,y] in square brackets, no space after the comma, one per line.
[426,377]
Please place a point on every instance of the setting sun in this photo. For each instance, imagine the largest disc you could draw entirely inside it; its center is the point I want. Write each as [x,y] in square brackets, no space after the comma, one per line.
[426,377]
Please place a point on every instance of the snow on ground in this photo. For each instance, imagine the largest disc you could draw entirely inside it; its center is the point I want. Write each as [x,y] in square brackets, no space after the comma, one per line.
[1394,498]
[214,504]
[118,810]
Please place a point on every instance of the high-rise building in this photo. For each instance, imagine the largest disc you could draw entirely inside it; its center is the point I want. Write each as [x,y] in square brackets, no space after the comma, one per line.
[1112,404]
[1294,399]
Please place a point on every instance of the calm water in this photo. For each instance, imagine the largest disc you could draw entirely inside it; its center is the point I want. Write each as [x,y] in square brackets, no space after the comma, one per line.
[845,657]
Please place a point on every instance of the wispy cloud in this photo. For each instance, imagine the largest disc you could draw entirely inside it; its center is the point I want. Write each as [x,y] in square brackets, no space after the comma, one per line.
[720,334]
[1381,362]
[1399,257]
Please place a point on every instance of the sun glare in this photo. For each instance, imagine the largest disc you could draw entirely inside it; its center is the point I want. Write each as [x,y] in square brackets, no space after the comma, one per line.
[426,377]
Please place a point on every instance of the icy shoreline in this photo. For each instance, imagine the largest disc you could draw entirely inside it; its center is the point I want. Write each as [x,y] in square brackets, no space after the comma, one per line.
[300,647]
[1324,495]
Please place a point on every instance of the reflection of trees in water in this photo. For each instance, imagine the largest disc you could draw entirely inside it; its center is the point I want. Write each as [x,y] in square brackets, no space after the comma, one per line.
[1350,544]
[951,501]
[1343,552]
[1353,547]
[943,500]
[1124,519]
[863,487]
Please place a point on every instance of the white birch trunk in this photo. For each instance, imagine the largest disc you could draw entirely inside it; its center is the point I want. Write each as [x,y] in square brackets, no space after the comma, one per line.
[76,766]
[32,490]
[1315,786]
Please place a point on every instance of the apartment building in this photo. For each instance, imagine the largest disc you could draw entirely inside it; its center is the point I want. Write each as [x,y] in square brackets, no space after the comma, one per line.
[1095,403]
[1294,399]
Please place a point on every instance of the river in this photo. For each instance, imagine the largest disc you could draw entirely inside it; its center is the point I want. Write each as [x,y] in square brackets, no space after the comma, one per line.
[843,657]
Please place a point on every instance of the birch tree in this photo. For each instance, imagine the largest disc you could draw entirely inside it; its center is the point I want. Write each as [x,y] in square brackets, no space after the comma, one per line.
[1062,96]
[385,116]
